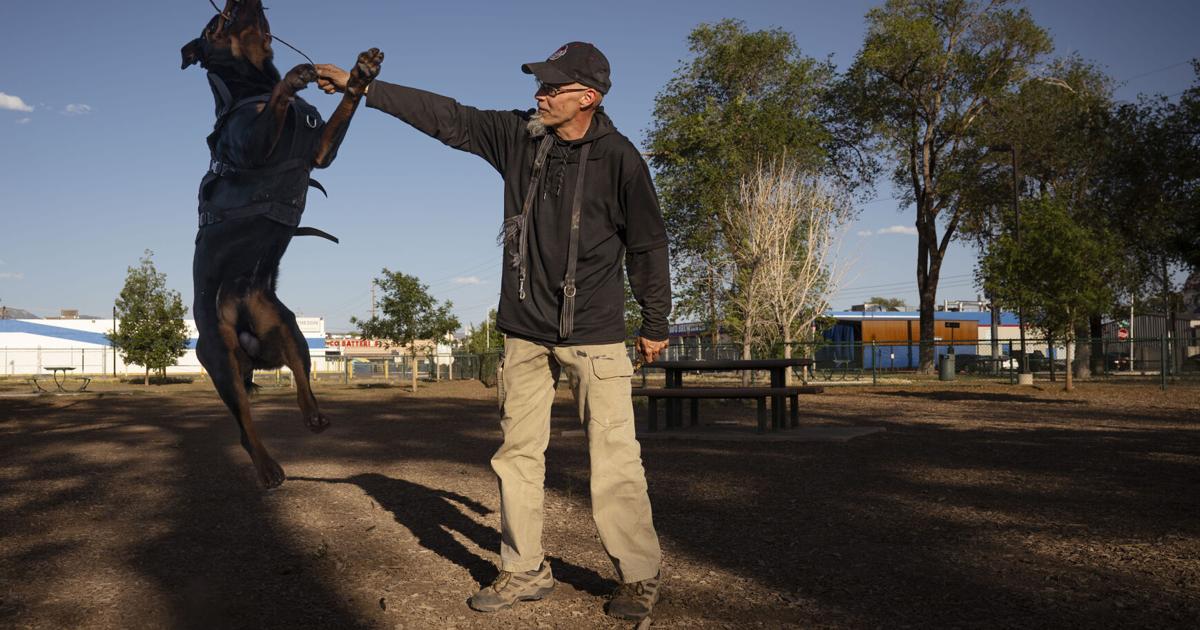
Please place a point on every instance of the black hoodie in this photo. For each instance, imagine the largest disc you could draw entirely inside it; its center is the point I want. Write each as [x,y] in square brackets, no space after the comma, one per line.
[620,219]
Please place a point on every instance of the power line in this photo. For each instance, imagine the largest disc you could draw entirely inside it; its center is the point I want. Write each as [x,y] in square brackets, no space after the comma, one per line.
[1157,70]
[903,284]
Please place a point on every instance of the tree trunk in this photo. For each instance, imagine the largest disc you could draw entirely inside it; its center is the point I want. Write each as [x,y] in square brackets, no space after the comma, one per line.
[745,355]
[1050,355]
[1070,384]
[928,297]
[929,266]
[787,354]
[146,380]
[1096,333]
[413,371]
[1082,365]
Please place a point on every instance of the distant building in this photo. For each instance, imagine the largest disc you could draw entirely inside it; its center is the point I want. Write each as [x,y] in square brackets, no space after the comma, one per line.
[27,346]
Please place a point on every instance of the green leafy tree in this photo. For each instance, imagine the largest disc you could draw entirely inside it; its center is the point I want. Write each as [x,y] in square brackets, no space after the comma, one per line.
[484,337]
[926,73]
[407,314]
[150,329]
[1058,125]
[743,98]
[1151,186]
[888,304]
[1059,272]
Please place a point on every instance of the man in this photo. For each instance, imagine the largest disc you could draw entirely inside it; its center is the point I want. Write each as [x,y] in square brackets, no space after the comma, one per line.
[578,202]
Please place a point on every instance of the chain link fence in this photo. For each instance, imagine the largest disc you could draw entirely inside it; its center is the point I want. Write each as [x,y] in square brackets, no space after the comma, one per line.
[1163,358]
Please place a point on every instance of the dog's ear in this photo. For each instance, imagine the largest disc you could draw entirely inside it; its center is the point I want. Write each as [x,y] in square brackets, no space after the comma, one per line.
[192,52]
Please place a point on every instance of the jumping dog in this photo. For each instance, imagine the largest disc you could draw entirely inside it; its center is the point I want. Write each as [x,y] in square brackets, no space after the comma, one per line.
[264,145]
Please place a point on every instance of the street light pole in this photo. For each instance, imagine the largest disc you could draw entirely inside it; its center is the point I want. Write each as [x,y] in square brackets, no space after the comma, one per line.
[1024,366]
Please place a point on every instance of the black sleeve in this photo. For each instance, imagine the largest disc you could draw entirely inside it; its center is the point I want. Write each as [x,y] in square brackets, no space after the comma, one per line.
[650,280]
[487,133]
[643,223]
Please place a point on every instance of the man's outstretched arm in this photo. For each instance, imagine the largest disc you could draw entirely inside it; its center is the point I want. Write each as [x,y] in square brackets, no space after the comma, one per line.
[486,133]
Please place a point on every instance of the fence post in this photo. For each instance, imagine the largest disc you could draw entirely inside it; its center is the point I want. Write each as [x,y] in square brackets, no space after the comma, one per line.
[874,362]
[1162,363]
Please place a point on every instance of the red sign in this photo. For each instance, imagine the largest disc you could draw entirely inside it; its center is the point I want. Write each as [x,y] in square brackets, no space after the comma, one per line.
[1122,334]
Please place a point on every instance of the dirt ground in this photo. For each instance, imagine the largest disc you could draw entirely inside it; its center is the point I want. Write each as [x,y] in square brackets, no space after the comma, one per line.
[980,505]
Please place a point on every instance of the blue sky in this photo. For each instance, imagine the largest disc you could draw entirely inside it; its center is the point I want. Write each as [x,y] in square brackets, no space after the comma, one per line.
[102,136]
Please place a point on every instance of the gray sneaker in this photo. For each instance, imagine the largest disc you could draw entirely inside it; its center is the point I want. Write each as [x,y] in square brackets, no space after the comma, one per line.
[510,588]
[634,601]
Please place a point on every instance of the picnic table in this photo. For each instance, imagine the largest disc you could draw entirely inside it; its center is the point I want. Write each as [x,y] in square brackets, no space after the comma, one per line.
[674,392]
[59,374]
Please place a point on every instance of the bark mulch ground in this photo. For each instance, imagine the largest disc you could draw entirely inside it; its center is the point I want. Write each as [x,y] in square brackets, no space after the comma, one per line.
[980,505]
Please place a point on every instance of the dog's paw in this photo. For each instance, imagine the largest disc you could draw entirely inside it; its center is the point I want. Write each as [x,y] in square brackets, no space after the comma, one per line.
[299,77]
[365,70]
[317,422]
[270,474]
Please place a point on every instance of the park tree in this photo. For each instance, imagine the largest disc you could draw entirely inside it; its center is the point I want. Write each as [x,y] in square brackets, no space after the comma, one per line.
[483,338]
[927,72]
[888,304]
[744,97]
[1059,272]
[783,232]
[1150,187]
[150,330]
[1046,139]
[407,314]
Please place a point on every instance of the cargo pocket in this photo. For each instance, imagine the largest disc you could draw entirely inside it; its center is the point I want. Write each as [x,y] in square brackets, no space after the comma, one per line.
[609,402]
[606,367]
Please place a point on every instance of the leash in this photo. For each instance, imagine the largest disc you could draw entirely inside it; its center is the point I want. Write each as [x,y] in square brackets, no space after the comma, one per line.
[229,19]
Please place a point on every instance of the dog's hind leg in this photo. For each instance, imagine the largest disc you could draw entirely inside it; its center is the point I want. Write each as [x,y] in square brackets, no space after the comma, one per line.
[228,365]
[278,324]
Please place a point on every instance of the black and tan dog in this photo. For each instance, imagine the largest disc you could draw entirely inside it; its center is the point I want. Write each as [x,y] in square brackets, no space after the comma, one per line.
[264,144]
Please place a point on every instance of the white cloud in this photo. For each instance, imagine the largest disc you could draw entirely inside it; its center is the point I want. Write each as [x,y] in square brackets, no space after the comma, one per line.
[24,121]
[14,103]
[865,232]
[77,109]
[10,275]
[899,229]
[467,280]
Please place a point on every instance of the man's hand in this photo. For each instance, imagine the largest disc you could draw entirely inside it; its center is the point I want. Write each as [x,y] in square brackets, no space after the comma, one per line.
[649,350]
[331,78]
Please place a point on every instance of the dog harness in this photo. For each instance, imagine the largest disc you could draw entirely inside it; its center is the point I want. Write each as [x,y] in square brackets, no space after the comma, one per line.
[277,191]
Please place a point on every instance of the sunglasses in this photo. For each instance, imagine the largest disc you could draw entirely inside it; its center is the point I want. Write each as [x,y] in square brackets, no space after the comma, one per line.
[555,90]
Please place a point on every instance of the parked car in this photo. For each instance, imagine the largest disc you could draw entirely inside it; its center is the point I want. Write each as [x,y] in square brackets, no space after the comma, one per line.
[1116,362]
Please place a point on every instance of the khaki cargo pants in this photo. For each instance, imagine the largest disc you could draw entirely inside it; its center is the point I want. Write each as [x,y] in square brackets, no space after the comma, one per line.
[600,379]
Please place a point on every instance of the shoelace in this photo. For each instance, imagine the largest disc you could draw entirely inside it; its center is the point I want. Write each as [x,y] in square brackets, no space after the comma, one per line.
[636,588]
[501,580]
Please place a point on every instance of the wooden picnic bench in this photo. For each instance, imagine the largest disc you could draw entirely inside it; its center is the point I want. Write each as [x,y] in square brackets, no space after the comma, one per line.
[674,392]
[694,394]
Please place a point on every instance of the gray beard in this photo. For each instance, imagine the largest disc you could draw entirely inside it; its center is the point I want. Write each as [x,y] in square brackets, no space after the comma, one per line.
[535,126]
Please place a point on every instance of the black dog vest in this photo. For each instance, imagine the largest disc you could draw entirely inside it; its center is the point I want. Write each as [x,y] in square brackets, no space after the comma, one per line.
[277,191]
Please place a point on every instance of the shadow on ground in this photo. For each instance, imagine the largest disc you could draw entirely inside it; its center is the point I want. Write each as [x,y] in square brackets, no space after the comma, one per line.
[956,516]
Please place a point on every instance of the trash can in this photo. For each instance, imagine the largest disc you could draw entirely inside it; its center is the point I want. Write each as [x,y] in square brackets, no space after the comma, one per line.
[946,369]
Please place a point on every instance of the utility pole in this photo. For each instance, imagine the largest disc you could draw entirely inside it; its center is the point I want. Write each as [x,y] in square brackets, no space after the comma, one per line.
[372,300]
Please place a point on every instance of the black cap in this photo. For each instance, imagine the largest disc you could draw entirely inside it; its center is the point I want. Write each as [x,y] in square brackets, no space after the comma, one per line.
[576,62]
